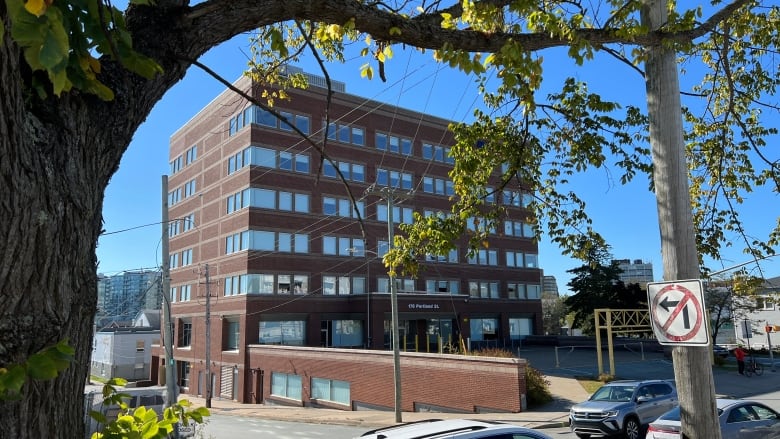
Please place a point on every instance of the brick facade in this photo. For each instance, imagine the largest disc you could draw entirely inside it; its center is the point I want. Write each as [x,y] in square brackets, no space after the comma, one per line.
[436,382]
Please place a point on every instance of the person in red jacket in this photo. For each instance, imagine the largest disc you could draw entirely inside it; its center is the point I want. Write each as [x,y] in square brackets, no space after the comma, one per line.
[740,354]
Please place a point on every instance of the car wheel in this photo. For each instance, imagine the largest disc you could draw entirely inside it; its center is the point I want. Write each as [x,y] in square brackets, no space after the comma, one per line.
[631,429]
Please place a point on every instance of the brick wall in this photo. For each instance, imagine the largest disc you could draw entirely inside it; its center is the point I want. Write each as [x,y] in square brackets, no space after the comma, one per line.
[440,382]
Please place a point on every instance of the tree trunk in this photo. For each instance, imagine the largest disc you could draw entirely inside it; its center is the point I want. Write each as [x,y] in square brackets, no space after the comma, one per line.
[56,158]
[692,369]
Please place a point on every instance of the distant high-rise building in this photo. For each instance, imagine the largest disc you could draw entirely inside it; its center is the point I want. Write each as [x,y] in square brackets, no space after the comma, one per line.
[550,285]
[122,296]
[635,271]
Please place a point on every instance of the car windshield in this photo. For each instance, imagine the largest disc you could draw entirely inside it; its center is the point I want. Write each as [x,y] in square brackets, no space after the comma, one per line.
[674,414]
[613,393]
[671,415]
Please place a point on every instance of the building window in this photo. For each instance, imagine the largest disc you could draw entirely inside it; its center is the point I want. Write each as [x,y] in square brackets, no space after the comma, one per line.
[516,198]
[403,285]
[185,334]
[350,171]
[514,259]
[174,296]
[186,257]
[330,390]
[520,327]
[531,260]
[173,260]
[484,329]
[176,165]
[437,153]
[140,346]
[764,303]
[396,179]
[268,199]
[400,214]
[394,144]
[191,155]
[189,188]
[187,223]
[184,373]
[269,158]
[286,385]
[342,207]
[345,134]
[256,115]
[451,257]
[264,240]
[438,186]
[483,289]
[437,286]
[174,196]
[518,229]
[238,160]
[232,332]
[286,332]
[484,257]
[265,283]
[343,285]
[186,293]
[516,291]
[344,333]
[342,246]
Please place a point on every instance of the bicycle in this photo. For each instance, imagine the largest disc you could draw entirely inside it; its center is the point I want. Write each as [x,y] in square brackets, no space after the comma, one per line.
[753,367]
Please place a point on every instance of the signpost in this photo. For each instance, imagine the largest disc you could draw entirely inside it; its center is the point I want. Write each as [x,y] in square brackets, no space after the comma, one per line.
[677,312]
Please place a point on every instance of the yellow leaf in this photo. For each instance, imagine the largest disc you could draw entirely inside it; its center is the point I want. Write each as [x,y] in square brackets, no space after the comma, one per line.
[36,7]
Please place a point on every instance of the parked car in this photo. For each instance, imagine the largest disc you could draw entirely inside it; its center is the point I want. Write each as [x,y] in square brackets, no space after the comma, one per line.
[455,428]
[739,419]
[720,351]
[623,408]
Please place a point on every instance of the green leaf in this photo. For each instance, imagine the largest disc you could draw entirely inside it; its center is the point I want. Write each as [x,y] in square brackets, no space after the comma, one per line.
[12,379]
[41,367]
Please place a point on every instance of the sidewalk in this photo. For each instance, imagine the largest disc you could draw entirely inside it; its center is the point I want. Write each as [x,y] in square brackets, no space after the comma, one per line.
[566,392]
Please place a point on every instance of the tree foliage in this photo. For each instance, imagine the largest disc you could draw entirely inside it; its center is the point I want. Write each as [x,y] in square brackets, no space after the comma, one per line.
[78,77]
[729,301]
[142,422]
[597,284]
[554,311]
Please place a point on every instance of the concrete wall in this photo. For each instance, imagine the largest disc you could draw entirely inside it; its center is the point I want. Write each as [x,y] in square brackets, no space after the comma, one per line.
[435,382]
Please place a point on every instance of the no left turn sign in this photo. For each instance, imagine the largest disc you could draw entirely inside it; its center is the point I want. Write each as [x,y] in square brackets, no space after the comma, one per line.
[677,312]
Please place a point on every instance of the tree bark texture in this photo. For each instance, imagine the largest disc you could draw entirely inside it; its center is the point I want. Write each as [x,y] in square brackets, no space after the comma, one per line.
[692,370]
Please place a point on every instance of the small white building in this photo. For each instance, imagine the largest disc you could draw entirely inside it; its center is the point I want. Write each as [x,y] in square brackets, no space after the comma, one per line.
[126,352]
[752,329]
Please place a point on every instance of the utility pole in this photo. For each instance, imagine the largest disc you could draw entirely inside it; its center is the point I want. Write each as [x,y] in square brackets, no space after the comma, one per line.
[208,340]
[692,370]
[170,363]
[389,194]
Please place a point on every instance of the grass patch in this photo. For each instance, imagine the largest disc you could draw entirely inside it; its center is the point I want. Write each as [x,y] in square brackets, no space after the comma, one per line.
[589,384]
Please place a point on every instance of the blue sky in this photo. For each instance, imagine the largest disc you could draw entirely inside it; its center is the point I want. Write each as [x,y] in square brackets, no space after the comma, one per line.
[625,215]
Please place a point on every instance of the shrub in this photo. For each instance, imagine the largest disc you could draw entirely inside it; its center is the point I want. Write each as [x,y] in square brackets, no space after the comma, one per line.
[537,388]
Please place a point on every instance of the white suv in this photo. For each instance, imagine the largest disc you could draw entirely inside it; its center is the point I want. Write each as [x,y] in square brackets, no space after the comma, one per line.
[454,428]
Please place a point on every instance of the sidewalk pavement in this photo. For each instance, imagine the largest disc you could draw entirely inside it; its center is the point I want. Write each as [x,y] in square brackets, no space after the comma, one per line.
[566,391]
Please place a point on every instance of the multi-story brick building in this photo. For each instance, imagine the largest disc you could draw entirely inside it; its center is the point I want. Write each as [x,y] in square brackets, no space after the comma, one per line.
[257,208]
